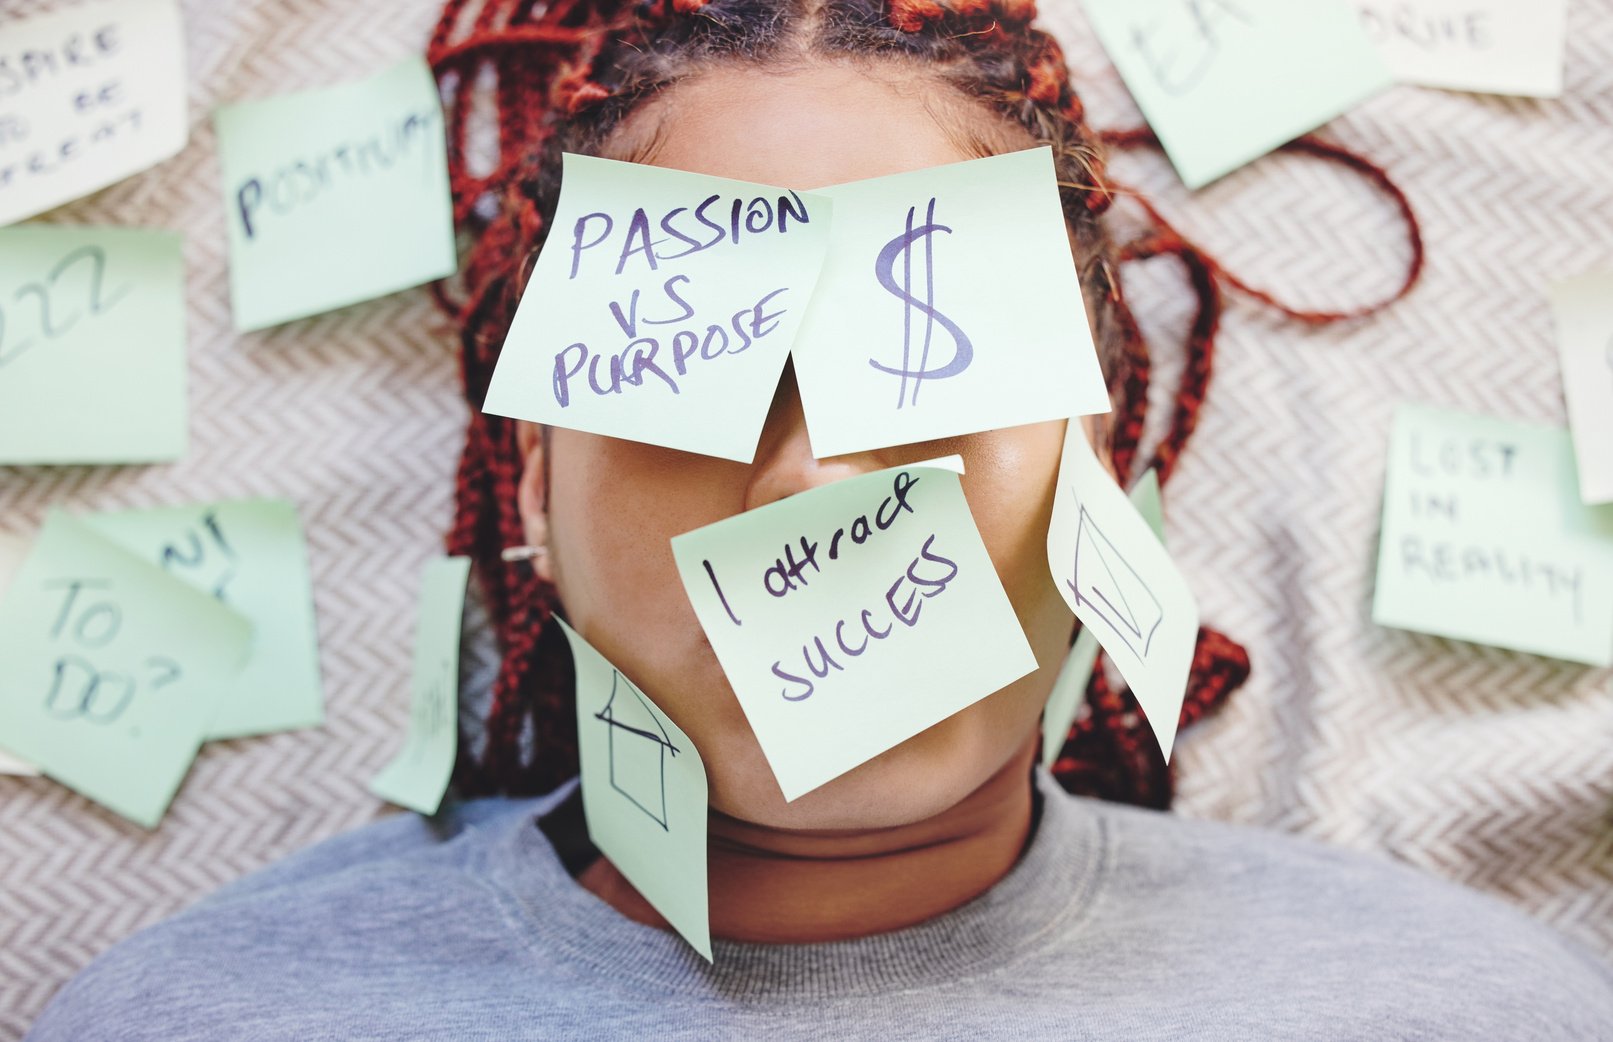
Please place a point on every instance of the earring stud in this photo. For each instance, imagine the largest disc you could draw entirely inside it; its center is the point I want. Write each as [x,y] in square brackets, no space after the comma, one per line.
[523,553]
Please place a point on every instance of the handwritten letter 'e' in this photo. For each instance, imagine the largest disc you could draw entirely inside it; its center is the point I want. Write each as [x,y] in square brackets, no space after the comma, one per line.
[1485,539]
[1070,687]
[909,339]
[662,307]
[110,669]
[1115,575]
[1584,311]
[89,95]
[1492,46]
[335,196]
[92,345]
[851,617]
[249,555]
[1223,82]
[418,776]
[643,792]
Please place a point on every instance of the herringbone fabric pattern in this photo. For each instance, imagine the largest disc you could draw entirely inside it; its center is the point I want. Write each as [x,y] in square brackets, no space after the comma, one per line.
[1492,768]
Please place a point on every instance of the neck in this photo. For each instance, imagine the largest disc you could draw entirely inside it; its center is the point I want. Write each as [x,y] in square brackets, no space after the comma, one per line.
[772,886]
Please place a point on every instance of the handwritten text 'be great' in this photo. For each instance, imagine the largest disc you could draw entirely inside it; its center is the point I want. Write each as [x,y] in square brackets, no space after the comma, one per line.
[637,246]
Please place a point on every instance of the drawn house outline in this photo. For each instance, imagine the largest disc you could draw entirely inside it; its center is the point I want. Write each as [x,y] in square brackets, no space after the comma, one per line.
[1113,589]
[636,726]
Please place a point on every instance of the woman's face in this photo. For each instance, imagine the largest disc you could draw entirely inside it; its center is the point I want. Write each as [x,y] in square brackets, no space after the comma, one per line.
[614,505]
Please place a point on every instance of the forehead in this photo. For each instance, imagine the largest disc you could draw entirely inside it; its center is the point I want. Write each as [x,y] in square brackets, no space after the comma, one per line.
[804,127]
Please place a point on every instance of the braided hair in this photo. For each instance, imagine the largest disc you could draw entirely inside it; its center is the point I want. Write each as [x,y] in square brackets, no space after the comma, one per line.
[563,75]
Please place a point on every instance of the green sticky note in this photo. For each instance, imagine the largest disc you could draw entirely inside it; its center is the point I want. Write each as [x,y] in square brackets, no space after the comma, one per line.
[1115,575]
[643,792]
[336,195]
[853,616]
[1584,310]
[250,555]
[908,338]
[1070,687]
[92,345]
[1485,538]
[110,669]
[93,93]
[1223,82]
[418,776]
[662,307]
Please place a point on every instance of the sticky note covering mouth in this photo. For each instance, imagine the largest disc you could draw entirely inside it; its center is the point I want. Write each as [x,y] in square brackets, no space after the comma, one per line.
[1485,538]
[852,617]
[662,307]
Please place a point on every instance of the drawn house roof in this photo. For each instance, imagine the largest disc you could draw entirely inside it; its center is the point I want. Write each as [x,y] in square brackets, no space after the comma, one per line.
[638,746]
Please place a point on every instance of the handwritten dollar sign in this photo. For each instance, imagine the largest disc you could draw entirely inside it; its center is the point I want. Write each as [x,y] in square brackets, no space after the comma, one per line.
[885,271]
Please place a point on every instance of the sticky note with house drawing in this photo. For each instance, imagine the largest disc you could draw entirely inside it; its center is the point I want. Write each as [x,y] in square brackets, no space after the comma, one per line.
[1070,687]
[643,792]
[1115,575]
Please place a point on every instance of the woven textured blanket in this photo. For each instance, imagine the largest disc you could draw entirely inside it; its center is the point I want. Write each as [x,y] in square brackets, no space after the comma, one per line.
[1492,768]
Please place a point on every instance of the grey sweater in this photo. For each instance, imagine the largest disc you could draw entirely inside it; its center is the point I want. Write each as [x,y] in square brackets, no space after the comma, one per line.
[1116,924]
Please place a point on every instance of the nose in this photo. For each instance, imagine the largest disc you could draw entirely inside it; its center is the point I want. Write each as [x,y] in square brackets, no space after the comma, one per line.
[784,464]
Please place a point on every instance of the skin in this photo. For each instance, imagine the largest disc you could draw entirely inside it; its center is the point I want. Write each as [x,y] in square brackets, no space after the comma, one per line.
[934,821]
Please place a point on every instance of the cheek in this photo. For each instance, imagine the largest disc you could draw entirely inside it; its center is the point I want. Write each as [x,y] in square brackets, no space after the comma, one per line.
[1011,478]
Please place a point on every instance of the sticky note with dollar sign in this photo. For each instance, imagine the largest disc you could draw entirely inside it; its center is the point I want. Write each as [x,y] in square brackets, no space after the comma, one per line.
[949,304]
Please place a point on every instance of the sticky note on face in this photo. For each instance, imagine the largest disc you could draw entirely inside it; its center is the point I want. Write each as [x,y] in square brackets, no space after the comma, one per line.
[92,345]
[851,617]
[89,94]
[418,776]
[643,792]
[1493,46]
[110,669]
[1070,687]
[1116,576]
[335,196]
[249,555]
[1223,82]
[909,338]
[1485,539]
[662,307]
[1584,312]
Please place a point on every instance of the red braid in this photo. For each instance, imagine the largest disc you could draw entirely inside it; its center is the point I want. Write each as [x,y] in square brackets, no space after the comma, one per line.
[565,73]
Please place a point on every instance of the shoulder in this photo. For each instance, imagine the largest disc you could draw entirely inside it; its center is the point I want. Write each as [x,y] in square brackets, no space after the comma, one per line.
[1321,927]
[339,923]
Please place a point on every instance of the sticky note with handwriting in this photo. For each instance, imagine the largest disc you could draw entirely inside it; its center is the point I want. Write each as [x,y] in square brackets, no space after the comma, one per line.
[1070,687]
[1223,82]
[335,196]
[89,94]
[1116,576]
[662,307]
[643,792]
[250,555]
[110,669]
[1485,538]
[1492,46]
[418,776]
[12,551]
[1584,311]
[850,617]
[908,339]
[92,345]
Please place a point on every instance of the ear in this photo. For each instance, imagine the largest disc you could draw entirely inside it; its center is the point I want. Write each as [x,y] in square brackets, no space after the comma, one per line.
[531,494]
